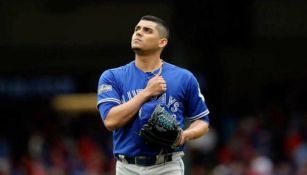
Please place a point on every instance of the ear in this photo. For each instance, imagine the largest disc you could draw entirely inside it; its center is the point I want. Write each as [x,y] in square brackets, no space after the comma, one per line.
[163,42]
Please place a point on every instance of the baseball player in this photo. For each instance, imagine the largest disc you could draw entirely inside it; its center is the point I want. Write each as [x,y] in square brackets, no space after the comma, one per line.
[128,94]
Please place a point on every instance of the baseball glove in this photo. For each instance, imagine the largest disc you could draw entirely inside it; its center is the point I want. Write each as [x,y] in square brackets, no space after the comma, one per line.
[162,128]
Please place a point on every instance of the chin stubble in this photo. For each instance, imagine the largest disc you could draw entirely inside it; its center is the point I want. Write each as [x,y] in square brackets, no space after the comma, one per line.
[136,50]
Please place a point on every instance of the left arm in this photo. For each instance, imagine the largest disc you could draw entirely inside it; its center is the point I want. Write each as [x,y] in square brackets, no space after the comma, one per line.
[197,129]
[197,112]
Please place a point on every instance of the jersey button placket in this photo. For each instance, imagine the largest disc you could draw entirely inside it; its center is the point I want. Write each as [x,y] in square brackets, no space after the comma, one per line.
[149,75]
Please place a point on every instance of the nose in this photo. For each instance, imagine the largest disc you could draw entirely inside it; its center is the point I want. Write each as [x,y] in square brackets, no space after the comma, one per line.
[139,33]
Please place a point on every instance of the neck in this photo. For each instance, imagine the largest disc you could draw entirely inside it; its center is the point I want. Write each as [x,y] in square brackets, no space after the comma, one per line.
[148,63]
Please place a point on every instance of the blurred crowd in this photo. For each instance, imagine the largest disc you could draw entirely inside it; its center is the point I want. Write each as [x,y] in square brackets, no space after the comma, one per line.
[268,137]
[56,152]
[250,148]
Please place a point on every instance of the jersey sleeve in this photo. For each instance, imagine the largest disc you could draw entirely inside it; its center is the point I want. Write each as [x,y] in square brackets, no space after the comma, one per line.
[196,106]
[108,93]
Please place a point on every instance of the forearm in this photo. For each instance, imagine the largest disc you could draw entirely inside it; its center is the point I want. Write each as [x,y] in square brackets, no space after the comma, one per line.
[120,115]
[197,129]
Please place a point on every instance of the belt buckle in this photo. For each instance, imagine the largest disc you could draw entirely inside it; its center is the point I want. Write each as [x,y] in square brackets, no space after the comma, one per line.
[160,159]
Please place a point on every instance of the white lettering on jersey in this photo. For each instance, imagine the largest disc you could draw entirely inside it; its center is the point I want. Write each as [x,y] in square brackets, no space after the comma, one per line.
[175,107]
[123,99]
[171,101]
[133,93]
[129,95]
[162,98]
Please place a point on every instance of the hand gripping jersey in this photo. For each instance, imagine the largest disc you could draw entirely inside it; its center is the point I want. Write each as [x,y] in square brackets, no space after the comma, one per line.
[119,85]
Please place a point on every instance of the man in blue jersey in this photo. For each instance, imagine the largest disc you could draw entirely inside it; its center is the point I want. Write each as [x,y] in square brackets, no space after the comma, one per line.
[128,94]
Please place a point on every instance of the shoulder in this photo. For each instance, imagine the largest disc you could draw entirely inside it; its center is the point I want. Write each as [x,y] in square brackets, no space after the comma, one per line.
[183,75]
[178,71]
[117,71]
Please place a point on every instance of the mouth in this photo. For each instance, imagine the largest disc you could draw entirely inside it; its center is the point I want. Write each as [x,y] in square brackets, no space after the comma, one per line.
[137,40]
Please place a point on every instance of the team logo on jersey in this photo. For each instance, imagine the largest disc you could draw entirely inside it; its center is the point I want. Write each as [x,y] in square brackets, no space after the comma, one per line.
[104,88]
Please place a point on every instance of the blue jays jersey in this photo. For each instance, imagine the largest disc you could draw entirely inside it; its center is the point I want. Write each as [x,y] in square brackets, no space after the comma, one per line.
[119,85]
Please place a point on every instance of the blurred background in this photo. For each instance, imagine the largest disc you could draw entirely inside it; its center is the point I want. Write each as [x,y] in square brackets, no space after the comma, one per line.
[248,56]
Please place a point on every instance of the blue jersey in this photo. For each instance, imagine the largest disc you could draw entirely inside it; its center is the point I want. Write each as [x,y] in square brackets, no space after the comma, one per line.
[119,85]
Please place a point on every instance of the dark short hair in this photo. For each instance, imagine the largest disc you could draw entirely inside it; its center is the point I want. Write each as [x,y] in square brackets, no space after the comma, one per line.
[161,25]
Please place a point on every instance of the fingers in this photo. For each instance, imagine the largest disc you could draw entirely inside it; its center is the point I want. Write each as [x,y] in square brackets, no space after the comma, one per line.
[159,80]
[159,77]
[182,139]
[156,85]
[162,83]
[163,86]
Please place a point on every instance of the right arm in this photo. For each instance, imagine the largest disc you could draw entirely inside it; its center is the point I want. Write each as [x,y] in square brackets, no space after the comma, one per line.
[120,115]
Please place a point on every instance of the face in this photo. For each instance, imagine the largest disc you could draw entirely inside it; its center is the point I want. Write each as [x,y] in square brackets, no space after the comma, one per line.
[146,37]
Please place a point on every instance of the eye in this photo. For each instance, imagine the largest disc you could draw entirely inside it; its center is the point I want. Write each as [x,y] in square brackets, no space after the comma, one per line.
[137,28]
[147,30]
